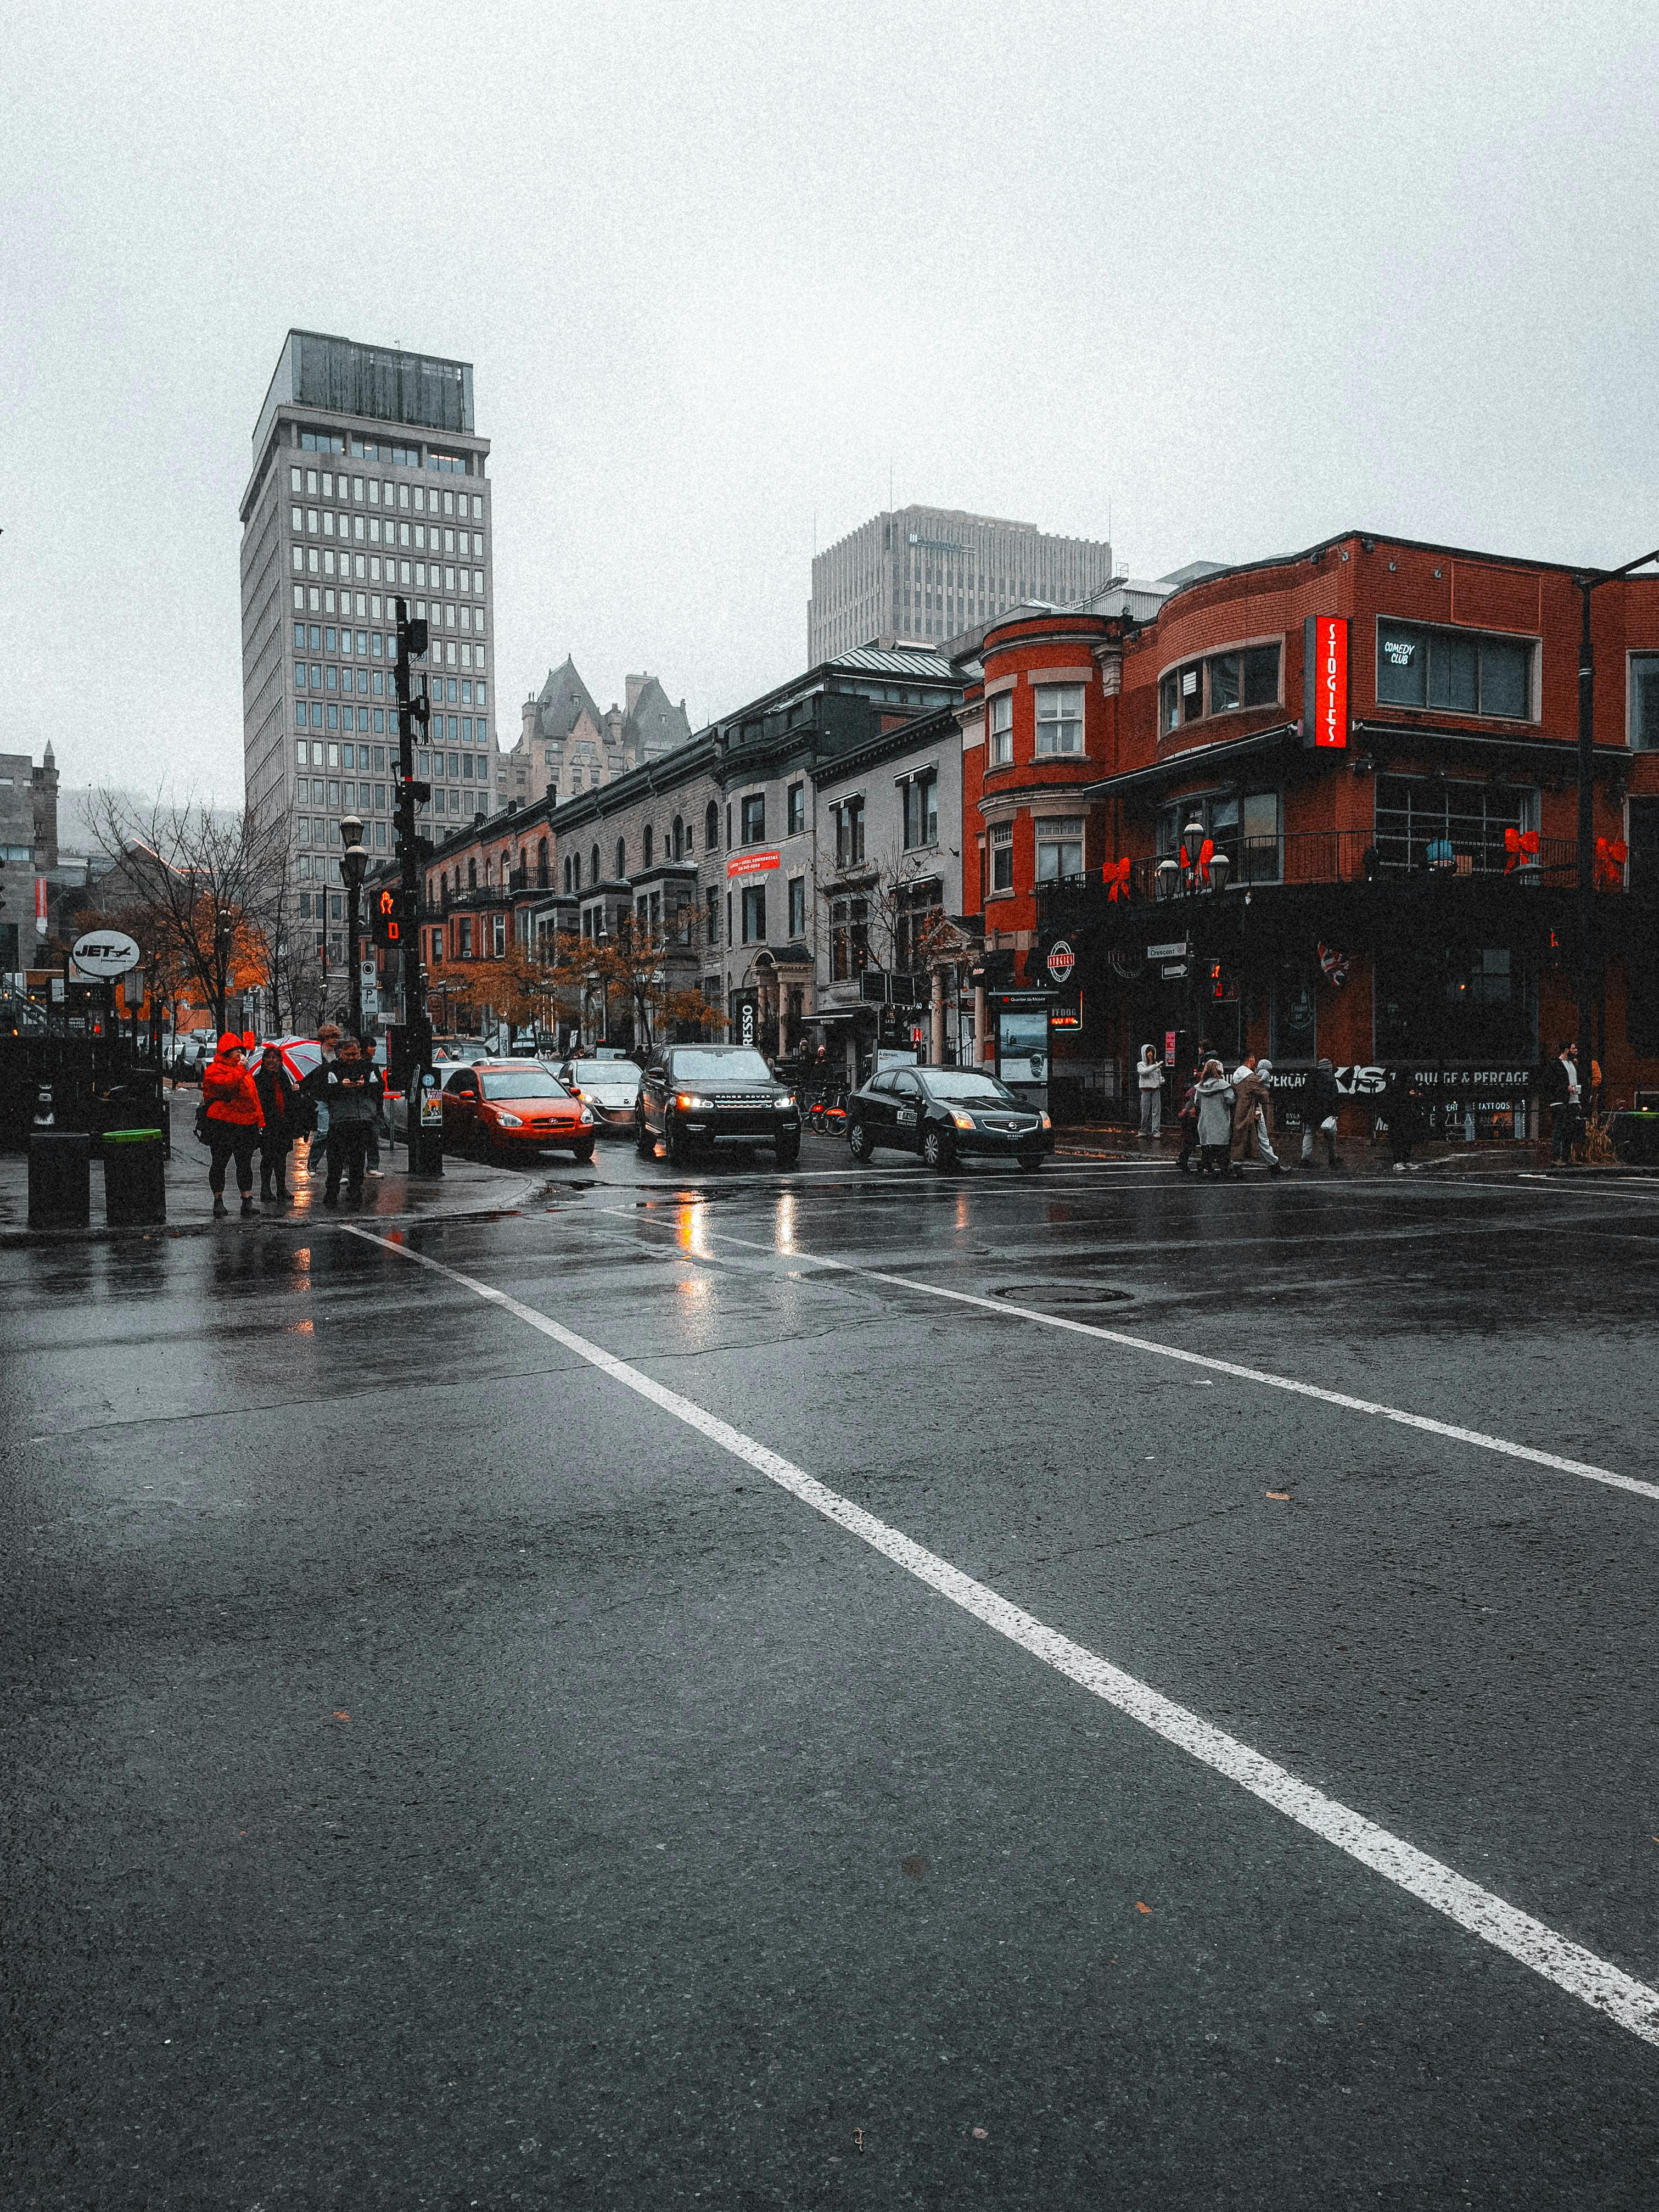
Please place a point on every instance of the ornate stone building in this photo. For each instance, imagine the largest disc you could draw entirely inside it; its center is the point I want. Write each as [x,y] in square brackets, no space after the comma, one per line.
[567,746]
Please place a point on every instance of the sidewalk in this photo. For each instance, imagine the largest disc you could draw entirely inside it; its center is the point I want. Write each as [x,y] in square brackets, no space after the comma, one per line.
[464,1187]
[1106,1141]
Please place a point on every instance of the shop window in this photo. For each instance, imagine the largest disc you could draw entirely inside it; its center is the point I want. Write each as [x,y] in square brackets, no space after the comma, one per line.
[1002,857]
[1294,1015]
[1059,847]
[1060,718]
[1457,671]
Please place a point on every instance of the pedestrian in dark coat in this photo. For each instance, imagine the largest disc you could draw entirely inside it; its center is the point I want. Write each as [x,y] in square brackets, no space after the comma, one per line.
[231,1108]
[353,1103]
[280,1103]
[1561,1093]
[1402,1108]
[1189,1121]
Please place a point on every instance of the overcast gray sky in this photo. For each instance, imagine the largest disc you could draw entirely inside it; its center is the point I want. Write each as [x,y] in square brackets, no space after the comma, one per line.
[1248,273]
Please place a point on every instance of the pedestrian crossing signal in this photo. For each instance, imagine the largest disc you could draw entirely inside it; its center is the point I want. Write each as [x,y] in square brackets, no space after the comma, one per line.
[387,920]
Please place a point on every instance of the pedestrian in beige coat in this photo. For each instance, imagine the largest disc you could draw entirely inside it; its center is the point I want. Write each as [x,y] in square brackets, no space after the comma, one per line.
[1251,1106]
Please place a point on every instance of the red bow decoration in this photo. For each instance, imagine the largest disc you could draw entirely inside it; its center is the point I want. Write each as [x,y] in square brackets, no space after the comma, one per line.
[1519,844]
[1206,854]
[1611,854]
[1116,873]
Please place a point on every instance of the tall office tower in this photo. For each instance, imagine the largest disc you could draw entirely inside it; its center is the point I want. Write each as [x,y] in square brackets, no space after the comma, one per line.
[930,573]
[368,484]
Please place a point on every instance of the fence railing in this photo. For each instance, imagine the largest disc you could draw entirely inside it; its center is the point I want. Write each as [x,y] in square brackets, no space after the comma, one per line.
[1351,856]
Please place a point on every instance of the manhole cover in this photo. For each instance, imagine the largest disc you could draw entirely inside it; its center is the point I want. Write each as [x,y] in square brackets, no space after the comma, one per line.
[1060,1294]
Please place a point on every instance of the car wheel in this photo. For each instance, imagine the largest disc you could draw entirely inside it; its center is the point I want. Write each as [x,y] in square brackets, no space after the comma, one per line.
[678,1145]
[644,1142]
[938,1150]
[585,1153]
[787,1151]
[1030,1161]
[858,1141]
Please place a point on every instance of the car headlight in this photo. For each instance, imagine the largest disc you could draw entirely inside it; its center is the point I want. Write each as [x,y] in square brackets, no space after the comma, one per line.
[784,1104]
[509,1120]
[588,1113]
[688,1102]
[962,1120]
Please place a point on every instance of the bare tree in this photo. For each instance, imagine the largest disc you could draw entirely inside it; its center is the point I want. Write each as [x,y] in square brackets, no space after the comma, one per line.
[202,892]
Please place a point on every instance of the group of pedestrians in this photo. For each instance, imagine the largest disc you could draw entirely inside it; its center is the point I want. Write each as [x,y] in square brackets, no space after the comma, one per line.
[1227,1120]
[262,1109]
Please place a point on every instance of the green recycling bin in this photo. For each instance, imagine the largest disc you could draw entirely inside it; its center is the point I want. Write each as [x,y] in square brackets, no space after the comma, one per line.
[134,1178]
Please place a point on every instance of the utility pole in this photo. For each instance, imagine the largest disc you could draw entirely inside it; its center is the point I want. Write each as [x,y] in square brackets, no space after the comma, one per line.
[425,1144]
[1588,964]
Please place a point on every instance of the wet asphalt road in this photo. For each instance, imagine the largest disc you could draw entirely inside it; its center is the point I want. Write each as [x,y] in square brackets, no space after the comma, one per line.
[439,1776]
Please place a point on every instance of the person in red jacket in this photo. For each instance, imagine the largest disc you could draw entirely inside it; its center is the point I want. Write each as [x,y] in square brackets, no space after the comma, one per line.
[234,1118]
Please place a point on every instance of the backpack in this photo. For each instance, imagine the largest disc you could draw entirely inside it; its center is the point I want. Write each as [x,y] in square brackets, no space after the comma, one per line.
[200,1122]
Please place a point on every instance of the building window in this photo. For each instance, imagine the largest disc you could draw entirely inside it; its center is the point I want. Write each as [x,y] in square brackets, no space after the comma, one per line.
[711,828]
[1002,857]
[1002,729]
[712,917]
[849,938]
[849,832]
[1059,847]
[921,809]
[648,840]
[1425,824]
[1456,671]
[1060,718]
[797,909]
[465,946]
[754,818]
[498,934]
[621,859]
[1644,701]
[754,913]
[797,816]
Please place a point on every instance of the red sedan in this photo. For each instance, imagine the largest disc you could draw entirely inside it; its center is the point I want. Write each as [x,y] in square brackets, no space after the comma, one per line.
[512,1106]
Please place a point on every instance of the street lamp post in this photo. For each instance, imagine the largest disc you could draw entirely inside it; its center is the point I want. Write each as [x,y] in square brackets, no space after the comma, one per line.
[353,862]
[1586,965]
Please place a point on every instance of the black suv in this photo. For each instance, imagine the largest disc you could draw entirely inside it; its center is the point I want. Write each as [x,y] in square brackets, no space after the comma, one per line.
[697,1095]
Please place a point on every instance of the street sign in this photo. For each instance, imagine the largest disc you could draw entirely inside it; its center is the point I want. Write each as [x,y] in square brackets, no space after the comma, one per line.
[1173,970]
[1061,960]
[1176,951]
[105,953]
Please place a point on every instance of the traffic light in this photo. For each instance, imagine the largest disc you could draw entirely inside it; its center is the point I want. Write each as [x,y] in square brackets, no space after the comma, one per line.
[412,637]
[388,915]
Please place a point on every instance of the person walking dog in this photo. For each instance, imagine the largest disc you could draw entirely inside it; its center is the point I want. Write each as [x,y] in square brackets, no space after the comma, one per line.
[1150,1077]
[231,1108]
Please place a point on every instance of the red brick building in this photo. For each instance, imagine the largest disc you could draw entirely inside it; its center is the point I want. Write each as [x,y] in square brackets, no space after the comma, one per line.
[1371,856]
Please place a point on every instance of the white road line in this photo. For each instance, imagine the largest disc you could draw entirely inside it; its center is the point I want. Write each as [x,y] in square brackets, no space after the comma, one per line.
[1379,1411]
[1606,1989]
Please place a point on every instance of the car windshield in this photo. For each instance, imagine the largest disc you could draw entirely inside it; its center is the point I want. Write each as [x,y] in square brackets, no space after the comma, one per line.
[947,1082]
[522,1083]
[721,1067]
[595,1072]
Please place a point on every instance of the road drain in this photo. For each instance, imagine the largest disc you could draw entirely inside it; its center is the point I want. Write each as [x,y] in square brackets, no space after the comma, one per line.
[1060,1294]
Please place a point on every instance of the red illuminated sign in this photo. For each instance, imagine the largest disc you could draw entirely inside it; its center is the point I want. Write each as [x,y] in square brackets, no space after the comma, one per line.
[1325,681]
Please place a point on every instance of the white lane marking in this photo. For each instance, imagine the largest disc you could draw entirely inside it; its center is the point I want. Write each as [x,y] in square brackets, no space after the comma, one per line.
[1582,1973]
[1379,1411]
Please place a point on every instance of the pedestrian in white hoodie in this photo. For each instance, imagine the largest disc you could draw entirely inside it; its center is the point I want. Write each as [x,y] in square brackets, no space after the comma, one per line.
[1150,1077]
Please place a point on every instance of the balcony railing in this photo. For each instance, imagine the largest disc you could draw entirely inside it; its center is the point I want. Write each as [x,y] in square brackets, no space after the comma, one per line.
[1356,856]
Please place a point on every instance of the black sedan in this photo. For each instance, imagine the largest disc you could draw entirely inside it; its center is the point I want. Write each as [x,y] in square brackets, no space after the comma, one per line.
[943,1113]
[697,1096]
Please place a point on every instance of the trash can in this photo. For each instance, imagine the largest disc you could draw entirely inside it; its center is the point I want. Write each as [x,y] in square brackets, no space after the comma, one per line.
[134,1180]
[60,1179]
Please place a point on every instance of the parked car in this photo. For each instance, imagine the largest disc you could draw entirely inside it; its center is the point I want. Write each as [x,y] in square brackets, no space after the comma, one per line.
[188,1055]
[611,1087]
[505,1107]
[943,1113]
[697,1095]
